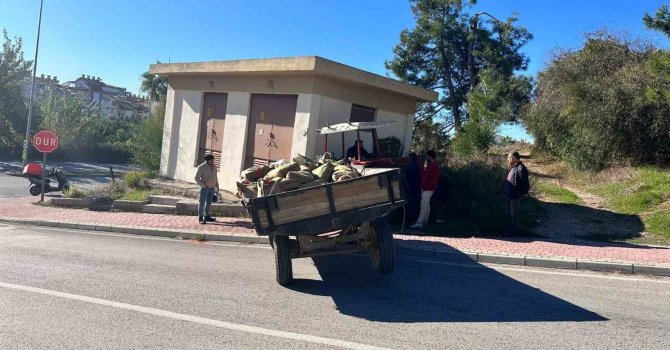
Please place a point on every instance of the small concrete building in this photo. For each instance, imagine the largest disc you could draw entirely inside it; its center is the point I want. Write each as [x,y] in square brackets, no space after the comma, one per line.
[247,112]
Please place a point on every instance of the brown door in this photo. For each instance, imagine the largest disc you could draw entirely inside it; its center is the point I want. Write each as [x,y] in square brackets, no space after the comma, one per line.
[211,126]
[270,132]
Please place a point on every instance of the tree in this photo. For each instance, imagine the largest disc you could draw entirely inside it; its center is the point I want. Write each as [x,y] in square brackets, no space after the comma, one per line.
[660,21]
[147,140]
[13,110]
[155,85]
[604,104]
[434,55]
[67,116]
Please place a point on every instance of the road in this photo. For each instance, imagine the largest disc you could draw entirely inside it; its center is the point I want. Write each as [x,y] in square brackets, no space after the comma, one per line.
[12,186]
[84,290]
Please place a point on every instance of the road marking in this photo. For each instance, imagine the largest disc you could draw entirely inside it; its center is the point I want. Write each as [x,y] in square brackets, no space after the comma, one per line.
[7,228]
[533,269]
[195,319]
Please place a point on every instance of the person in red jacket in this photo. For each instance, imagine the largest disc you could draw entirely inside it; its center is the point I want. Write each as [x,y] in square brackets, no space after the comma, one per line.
[429,178]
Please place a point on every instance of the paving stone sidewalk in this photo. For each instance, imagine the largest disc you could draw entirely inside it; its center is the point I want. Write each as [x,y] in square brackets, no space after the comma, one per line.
[515,251]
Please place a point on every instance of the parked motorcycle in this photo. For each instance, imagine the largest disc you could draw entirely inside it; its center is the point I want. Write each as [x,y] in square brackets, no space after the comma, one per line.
[33,171]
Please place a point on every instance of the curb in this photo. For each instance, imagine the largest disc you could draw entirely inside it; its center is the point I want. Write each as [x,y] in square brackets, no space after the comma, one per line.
[438,254]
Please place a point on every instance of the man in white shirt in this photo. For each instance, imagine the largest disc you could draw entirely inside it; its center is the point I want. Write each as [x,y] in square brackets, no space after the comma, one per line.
[207,178]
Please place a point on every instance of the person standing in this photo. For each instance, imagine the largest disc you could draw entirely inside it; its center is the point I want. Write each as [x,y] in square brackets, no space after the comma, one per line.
[352,152]
[413,182]
[517,185]
[429,179]
[206,177]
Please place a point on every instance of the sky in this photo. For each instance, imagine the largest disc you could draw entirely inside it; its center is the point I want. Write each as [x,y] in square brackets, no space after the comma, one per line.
[117,40]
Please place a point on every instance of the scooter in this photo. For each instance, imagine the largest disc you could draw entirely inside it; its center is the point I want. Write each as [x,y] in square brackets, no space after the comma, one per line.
[33,171]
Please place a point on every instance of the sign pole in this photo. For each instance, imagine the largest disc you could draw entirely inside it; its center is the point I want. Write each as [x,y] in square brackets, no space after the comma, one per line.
[44,175]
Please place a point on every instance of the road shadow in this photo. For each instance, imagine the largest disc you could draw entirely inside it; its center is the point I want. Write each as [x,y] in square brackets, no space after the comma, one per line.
[579,222]
[544,221]
[430,292]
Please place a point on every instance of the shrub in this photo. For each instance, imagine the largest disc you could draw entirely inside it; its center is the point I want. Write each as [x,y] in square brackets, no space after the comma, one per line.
[133,178]
[114,190]
[605,104]
[146,141]
[469,199]
[74,192]
[476,137]
[136,195]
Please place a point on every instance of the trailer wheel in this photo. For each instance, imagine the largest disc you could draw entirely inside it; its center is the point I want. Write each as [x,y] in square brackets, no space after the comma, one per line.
[381,247]
[283,265]
[34,190]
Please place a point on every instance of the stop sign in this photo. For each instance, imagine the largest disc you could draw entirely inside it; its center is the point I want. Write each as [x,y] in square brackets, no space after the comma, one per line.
[45,141]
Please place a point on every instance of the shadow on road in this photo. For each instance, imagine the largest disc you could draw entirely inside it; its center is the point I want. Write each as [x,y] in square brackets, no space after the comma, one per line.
[427,292]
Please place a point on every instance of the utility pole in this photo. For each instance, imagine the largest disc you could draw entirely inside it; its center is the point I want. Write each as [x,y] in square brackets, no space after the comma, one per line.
[471,65]
[24,155]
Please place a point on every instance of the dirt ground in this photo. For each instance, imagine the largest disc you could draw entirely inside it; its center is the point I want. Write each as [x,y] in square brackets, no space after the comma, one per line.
[588,220]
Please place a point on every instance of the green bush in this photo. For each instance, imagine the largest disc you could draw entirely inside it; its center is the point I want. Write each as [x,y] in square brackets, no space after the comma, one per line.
[390,147]
[74,192]
[605,104]
[146,141]
[475,137]
[136,195]
[133,178]
[113,191]
[470,199]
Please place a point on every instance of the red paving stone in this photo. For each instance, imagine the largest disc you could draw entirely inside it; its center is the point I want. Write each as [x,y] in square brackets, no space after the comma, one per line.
[23,208]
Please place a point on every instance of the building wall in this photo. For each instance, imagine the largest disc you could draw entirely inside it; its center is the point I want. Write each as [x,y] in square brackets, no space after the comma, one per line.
[234,139]
[306,121]
[313,111]
[182,120]
[168,143]
[260,84]
[334,111]
[363,95]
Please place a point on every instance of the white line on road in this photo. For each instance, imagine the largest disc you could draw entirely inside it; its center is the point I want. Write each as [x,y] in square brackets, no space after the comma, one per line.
[4,228]
[534,270]
[195,319]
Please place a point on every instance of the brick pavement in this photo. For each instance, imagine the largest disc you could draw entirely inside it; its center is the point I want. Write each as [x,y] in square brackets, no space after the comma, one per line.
[23,208]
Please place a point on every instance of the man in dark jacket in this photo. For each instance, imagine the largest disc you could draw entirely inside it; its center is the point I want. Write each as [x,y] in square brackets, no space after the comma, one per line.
[413,181]
[352,152]
[517,185]
[430,175]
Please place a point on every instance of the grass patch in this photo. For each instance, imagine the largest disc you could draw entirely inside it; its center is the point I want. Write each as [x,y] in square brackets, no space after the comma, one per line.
[134,178]
[649,187]
[74,192]
[558,193]
[658,223]
[136,195]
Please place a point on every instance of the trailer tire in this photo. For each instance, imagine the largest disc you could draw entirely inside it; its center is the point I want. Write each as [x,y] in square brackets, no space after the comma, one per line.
[283,265]
[382,252]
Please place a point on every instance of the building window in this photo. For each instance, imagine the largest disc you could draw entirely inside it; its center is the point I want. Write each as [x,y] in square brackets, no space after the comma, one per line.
[362,114]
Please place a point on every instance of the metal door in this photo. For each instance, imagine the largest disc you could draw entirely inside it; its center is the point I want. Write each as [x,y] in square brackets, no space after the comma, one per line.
[212,125]
[270,132]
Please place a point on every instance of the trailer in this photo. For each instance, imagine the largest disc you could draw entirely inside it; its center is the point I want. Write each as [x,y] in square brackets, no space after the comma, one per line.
[332,219]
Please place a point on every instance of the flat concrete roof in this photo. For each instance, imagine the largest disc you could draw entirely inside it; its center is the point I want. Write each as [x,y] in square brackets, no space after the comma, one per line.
[294,65]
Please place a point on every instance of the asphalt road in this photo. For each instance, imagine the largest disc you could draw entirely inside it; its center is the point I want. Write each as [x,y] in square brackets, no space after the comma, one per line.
[12,186]
[83,290]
